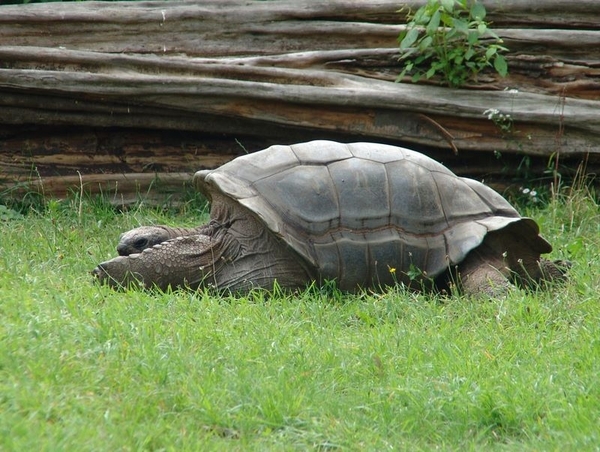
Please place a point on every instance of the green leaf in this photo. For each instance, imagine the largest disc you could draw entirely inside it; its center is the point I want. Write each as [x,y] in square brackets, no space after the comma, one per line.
[448,5]
[409,39]
[421,17]
[425,43]
[493,35]
[460,25]
[478,11]
[473,38]
[453,36]
[576,247]
[457,7]
[420,59]
[404,71]
[447,20]
[434,23]
[500,65]
[430,73]
[481,29]
[490,52]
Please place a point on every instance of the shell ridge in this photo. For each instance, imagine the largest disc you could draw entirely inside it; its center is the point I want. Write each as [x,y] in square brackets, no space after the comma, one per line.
[336,193]
[439,198]
[480,190]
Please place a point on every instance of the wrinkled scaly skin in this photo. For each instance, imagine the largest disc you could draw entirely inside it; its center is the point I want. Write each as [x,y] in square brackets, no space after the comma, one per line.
[237,254]
[138,239]
[503,259]
[200,260]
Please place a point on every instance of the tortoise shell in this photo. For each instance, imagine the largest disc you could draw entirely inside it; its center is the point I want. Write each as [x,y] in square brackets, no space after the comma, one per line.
[365,214]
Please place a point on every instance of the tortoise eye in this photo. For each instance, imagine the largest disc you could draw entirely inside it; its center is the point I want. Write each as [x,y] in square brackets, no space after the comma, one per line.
[141,243]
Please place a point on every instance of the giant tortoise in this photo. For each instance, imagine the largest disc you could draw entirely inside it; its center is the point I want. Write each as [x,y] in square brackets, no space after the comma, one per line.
[364,215]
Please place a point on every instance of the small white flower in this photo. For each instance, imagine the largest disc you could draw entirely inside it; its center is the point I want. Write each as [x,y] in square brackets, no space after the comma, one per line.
[491,113]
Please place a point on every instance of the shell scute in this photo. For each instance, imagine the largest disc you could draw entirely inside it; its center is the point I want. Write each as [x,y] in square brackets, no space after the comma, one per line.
[362,191]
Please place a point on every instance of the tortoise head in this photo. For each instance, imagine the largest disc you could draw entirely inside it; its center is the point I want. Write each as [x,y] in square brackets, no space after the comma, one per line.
[186,262]
[138,239]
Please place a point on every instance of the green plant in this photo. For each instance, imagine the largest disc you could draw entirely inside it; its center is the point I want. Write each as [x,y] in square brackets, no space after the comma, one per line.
[503,121]
[6,213]
[450,38]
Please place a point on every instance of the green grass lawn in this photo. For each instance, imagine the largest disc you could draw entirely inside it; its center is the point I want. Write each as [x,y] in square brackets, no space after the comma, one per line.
[84,368]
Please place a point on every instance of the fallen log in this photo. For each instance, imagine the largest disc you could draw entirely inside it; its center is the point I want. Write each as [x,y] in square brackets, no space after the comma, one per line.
[281,71]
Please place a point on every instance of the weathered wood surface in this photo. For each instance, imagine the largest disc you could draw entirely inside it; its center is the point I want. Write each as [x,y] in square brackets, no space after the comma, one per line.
[239,75]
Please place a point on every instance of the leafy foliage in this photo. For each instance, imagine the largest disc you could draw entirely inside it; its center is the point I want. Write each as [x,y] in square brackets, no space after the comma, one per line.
[450,38]
[6,213]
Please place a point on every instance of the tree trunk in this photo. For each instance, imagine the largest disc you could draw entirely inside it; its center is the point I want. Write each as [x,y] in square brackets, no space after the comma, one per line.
[99,93]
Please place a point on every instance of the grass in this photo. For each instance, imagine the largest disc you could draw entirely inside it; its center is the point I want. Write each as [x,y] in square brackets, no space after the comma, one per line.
[85,368]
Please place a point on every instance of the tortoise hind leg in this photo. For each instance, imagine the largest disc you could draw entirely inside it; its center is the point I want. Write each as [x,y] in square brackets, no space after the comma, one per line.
[486,274]
[483,275]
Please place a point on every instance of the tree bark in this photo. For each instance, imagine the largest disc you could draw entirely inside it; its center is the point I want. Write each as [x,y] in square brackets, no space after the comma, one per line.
[240,75]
